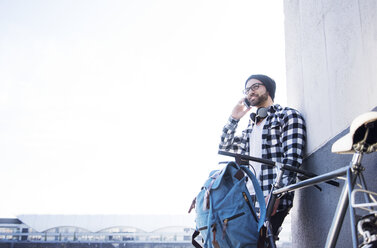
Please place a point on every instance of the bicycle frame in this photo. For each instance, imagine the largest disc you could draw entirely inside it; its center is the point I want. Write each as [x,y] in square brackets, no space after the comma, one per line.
[352,171]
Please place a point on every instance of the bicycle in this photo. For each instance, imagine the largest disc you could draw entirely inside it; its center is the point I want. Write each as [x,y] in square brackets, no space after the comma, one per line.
[361,139]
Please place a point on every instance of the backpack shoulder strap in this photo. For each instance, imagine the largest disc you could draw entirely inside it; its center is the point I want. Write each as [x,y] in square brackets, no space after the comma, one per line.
[259,195]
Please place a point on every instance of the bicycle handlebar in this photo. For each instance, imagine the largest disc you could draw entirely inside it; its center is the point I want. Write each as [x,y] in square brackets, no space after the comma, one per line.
[273,164]
[248,158]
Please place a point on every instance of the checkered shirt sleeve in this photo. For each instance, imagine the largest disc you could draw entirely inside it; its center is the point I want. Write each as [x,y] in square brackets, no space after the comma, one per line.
[230,142]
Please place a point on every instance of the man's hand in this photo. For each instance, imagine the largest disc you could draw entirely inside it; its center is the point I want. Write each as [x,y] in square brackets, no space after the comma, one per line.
[240,110]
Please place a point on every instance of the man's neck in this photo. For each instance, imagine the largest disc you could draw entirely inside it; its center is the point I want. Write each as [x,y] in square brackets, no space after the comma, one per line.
[266,104]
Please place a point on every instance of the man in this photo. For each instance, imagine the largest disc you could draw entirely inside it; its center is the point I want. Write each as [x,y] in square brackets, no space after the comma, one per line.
[273,133]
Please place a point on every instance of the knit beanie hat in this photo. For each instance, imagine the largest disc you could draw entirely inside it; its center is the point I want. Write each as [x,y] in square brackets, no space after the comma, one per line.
[268,82]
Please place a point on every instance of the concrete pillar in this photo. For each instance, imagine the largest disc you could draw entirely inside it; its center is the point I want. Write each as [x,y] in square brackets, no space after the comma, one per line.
[331,61]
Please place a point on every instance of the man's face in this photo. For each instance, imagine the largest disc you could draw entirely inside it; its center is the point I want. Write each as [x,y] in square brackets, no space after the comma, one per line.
[257,93]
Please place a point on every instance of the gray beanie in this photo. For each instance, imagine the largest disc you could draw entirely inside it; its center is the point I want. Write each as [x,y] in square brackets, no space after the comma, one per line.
[268,82]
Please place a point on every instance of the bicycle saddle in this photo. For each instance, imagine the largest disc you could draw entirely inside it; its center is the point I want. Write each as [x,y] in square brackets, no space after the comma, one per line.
[362,136]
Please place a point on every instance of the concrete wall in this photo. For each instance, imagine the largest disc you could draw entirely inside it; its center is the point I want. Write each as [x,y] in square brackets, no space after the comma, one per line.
[331,60]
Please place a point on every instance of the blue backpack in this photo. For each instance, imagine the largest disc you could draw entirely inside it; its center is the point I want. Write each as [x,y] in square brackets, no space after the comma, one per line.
[225,213]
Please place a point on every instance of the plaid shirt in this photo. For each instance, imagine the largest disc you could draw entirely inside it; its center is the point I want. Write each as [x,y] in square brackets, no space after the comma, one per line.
[283,140]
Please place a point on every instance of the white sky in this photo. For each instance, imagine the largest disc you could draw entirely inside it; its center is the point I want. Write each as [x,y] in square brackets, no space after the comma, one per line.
[117,107]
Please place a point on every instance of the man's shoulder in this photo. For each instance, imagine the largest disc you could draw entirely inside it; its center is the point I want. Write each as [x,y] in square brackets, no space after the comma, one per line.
[287,112]
[280,109]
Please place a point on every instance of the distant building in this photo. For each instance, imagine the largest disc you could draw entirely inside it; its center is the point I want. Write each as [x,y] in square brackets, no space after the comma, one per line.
[102,231]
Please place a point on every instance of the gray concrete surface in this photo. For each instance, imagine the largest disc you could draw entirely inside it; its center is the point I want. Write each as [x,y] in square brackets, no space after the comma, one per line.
[331,61]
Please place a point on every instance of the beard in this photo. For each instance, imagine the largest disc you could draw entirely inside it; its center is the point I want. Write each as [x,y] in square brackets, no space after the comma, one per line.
[258,100]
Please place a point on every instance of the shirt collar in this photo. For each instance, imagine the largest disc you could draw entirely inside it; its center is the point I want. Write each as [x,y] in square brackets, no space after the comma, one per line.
[273,108]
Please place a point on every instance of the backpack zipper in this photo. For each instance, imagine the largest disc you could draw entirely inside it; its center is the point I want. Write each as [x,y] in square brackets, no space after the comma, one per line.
[225,222]
[233,217]
[249,204]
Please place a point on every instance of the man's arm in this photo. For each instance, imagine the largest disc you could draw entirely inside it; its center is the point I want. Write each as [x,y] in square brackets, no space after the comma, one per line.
[231,143]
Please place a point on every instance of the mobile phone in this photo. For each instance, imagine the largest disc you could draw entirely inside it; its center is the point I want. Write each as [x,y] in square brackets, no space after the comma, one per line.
[247,103]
